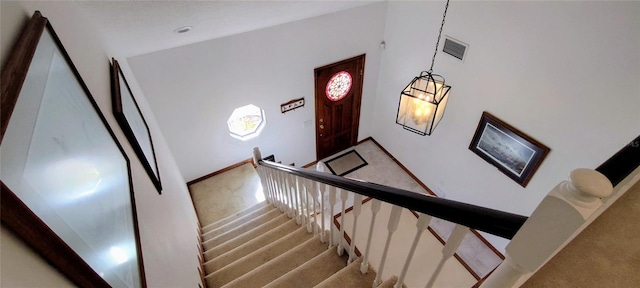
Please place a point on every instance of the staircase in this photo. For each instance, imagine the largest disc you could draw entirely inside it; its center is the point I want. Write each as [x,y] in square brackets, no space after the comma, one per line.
[262,247]
[282,244]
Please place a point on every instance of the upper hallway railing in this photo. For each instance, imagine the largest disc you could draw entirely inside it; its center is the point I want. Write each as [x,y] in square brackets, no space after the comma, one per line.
[492,221]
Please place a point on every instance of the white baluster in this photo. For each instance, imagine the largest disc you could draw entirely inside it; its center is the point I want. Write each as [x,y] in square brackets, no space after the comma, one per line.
[283,195]
[375,208]
[294,202]
[394,218]
[272,187]
[343,197]
[257,156]
[357,208]
[263,183]
[321,191]
[299,189]
[289,193]
[276,188]
[421,225]
[305,195]
[332,203]
[309,196]
[281,190]
[449,249]
[314,194]
[265,187]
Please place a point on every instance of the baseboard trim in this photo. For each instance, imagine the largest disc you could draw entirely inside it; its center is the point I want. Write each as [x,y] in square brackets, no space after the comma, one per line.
[401,166]
[250,160]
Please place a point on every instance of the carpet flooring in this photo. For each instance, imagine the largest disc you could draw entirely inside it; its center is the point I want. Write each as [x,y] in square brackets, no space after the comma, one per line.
[261,247]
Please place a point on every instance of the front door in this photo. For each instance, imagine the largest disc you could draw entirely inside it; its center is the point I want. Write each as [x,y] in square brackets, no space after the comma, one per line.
[338,92]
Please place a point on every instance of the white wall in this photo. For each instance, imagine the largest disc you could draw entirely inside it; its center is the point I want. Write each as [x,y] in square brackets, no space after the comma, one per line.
[565,73]
[168,224]
[193,89]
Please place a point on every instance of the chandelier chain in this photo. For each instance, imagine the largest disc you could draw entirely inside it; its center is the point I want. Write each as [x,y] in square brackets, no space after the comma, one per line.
[433,60]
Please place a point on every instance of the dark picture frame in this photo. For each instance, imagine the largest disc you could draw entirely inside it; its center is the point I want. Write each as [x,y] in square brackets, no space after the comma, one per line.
[66,181]
[130,118]
[514,153]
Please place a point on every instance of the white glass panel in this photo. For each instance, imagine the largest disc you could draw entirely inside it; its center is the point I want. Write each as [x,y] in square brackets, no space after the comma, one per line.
[60,160]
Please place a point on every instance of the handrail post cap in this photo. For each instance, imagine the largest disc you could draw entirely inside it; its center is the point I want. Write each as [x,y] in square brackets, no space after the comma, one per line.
[257,155]
[589,182]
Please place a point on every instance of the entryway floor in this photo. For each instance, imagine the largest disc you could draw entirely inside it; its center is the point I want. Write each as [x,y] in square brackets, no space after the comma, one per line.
[226,193]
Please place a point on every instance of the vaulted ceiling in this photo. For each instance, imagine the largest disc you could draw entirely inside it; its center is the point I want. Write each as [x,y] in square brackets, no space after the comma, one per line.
[138,27]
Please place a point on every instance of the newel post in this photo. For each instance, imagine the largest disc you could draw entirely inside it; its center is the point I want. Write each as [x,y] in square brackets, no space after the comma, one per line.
[257,156]
[560,214]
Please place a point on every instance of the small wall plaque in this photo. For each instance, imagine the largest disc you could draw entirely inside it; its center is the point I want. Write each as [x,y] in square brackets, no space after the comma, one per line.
[292,105]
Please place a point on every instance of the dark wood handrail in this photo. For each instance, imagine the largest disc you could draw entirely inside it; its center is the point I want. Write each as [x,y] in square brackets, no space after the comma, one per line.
[492,221]
[621,164]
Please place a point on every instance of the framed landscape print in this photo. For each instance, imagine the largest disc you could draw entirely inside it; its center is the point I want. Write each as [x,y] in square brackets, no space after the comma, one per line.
[129,116]
[66,181]
[505,147]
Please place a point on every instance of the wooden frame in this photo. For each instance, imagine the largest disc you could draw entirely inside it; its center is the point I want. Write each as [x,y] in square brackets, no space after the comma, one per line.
[514,153]
[66,181]
[133,124]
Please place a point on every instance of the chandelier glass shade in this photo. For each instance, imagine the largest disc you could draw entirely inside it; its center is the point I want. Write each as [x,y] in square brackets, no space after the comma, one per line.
[422,103]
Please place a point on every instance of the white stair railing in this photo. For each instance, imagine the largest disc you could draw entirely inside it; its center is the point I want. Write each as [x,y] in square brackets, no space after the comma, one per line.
[564,210]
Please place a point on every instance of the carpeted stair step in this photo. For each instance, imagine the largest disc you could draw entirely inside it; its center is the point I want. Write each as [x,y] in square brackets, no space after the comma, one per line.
[239,230]
[390,282]
[280,265]
[257,258]
[247,248]
[350,277]
[238,221]
[212,251]
[312,272]
[232,217]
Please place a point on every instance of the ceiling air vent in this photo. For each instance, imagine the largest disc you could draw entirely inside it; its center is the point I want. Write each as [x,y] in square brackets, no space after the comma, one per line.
[455,48]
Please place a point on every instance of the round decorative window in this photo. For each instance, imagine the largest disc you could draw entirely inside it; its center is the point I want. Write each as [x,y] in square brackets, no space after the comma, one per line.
[339,85]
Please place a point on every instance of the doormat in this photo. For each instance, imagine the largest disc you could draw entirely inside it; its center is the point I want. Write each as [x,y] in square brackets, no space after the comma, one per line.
[346,163]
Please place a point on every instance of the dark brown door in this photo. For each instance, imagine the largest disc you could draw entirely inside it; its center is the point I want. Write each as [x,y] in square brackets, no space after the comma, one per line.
[338,94]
